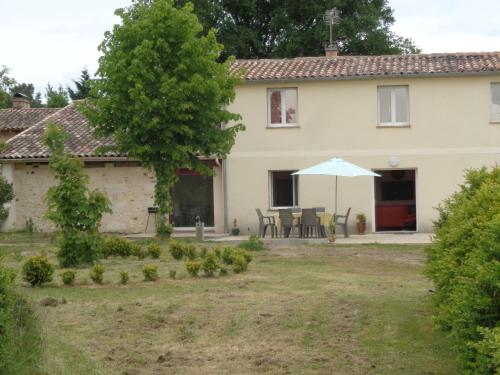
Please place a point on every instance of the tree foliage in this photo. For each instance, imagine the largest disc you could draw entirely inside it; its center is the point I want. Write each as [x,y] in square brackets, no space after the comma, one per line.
[464,263]
[56,98]
[82,86]
[75,210]
[162,93]
[290,28]
[9,86]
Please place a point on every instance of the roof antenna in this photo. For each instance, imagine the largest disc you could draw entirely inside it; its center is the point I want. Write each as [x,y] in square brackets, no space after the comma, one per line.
[331,17]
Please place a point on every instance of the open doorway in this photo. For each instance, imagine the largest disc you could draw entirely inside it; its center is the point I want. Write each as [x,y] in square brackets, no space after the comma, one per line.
[193,196]
[395,200]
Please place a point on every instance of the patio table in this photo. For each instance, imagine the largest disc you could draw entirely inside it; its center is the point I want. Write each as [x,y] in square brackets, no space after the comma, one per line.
[324,218]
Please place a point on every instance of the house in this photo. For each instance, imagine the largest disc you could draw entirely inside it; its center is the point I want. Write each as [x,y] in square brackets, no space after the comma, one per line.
[417,120]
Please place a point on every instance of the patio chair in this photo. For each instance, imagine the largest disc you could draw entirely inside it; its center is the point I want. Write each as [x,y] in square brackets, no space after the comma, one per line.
[309,222]
[341,221]
[287,223]
[265,222]
[320,209]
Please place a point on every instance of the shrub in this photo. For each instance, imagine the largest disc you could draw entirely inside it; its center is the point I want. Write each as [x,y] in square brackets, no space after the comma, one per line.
[193,267]
[124,277]
[6,195]
[223,271]
[68,277]
[227,255]
[172,274]
[97,273]
[154,250]
[137,250]
[240,263]
[248,257]
[150,272]
[20,343]
[203,251]
[463,262]
[176,248]
[117,246]
[190,251]
[210,264]
[218,252]
[77,248]
[37,270]
[252,244]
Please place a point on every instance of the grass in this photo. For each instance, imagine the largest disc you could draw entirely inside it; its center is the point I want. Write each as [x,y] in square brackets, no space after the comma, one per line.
[297,310]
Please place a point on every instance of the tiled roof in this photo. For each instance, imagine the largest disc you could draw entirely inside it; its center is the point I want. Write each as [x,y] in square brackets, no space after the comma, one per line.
[80,138]
[351,67]
[22,118]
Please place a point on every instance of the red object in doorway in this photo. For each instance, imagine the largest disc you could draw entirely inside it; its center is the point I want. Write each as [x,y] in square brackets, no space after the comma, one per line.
[393,216]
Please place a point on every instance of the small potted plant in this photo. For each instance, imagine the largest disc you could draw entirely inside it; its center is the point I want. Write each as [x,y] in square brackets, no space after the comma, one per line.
[235,231]
[361,223]
[331,231]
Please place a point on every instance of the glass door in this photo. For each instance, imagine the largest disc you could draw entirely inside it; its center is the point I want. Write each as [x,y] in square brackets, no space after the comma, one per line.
[193,196]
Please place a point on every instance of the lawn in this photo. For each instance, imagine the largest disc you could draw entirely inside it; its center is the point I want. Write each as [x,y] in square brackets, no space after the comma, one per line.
[297,310]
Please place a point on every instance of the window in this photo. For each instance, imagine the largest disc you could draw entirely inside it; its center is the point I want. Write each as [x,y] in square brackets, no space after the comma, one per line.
[393,106]
[282,107]
[283,188]
[495,102]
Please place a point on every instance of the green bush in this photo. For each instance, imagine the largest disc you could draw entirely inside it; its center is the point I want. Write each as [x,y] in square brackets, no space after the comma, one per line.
[68,277]
[20,342]
[150,272]
[203,251]
[464,263]
[218,252]
[137,250]
[210,264]
[97,273]
[193,267]
[6,195]
[240,263]
[176,248]
[124,277]
[190,251]
[252,244]
[78,248]
[223,271]
[227,255]
[172,274]
[154,250]
[118,246]
[37,270]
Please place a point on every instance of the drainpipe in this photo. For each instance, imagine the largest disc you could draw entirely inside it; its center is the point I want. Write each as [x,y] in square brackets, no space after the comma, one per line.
[224,192]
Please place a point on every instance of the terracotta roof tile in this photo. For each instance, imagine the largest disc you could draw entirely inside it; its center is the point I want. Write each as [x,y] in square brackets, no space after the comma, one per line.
[80,141]
[23,118]
[351,67]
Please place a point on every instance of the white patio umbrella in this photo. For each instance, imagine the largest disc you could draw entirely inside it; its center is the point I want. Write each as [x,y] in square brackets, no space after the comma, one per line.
[336,167]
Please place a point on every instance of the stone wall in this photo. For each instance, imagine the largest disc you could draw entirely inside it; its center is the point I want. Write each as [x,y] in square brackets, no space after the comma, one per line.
[129,188]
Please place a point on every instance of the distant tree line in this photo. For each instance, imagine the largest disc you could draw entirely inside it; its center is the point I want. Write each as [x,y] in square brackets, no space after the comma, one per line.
[54,97]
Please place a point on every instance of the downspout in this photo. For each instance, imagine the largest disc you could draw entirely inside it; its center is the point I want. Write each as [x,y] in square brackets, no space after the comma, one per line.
[224,192]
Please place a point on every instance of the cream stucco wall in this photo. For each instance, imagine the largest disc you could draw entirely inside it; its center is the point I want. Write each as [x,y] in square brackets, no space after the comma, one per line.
[449,131]
[130,190]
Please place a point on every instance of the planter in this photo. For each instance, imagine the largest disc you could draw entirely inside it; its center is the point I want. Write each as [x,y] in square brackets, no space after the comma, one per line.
[331,238]
[235,231]
[361,225]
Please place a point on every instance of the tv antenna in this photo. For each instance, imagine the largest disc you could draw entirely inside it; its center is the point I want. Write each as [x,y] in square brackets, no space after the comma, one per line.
[331,17]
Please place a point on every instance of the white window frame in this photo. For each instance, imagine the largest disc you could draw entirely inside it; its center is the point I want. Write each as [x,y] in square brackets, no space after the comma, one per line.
[295,183]
[283,123]
[494,117]
[393,121]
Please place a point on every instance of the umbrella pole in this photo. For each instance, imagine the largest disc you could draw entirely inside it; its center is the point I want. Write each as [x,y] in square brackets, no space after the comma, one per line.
[336,184]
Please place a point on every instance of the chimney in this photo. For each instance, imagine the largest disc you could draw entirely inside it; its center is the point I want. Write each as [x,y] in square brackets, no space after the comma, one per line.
[331,50]
[20,101]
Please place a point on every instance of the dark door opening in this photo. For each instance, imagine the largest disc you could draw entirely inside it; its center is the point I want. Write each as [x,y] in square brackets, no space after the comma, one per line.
[192,196]
[395,204]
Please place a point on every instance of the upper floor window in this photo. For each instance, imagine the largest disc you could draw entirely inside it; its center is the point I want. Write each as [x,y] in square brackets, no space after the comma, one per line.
[284,189]
[393,106]
[495,102]
[282,107]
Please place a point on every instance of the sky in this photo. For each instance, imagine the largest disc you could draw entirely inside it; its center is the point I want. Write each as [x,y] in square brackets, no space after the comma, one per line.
[52,40]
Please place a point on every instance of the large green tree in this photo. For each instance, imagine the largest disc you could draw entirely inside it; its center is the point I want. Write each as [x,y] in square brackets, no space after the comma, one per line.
[290,28]
[6,83]
[162,93]
[28,89]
